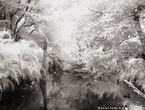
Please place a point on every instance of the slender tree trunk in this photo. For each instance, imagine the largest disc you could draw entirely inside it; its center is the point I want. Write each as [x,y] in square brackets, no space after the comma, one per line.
[43,87]
[43,83]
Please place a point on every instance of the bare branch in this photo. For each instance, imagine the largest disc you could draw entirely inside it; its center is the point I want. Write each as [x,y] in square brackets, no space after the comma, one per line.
[20,18]
[18,30]
[31,32]
[95,12]
[134,88]
[14,12]
[16,25]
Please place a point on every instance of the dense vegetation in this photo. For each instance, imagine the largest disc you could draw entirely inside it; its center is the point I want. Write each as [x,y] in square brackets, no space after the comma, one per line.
[109,42]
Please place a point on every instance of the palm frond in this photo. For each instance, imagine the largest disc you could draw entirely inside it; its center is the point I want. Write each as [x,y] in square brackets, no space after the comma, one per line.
[20,61]
[6,85]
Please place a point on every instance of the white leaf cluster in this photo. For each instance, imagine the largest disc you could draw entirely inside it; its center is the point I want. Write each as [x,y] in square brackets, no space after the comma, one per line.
[20,60]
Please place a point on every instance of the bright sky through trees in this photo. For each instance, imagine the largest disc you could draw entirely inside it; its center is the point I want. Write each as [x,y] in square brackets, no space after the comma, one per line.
[66,14]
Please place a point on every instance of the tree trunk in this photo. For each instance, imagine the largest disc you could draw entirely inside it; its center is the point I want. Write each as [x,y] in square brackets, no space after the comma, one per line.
[43,79]
[44,91]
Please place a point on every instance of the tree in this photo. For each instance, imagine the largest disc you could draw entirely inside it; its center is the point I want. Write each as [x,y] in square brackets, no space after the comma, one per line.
[22,17]
[110,40]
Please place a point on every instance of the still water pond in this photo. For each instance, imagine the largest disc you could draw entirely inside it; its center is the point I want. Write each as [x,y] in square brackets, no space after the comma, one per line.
[73,95]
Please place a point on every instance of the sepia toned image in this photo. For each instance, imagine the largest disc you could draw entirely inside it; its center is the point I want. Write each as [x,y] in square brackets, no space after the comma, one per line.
[72,54]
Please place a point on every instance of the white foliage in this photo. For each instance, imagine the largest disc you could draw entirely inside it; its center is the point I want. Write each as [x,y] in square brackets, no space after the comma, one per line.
[133,40]
[20,60]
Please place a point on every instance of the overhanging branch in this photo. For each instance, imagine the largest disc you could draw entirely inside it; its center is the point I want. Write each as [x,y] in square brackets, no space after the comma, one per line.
[134,88]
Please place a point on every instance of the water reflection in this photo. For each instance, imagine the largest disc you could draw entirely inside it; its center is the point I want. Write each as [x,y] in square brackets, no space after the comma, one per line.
[26,100]
[71,95]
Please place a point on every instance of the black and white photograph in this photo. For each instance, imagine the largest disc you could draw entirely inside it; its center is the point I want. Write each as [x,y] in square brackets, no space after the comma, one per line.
[72,54]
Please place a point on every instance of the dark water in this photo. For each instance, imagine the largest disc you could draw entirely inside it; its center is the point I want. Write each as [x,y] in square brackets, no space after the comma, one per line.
[70,94]
[21,100]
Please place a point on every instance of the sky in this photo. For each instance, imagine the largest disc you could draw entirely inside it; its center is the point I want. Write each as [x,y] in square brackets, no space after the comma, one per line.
[66,14]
